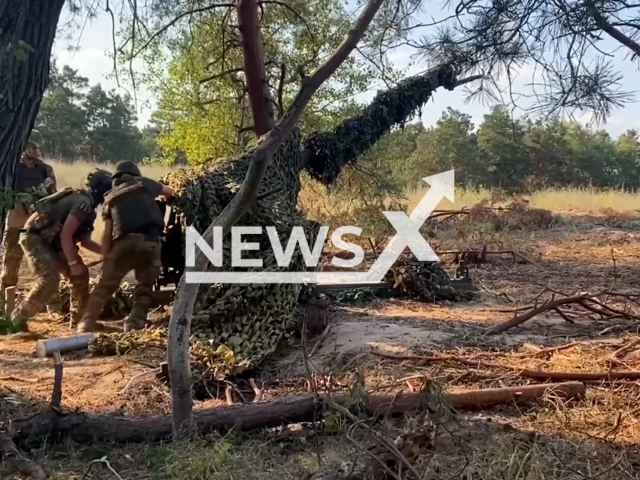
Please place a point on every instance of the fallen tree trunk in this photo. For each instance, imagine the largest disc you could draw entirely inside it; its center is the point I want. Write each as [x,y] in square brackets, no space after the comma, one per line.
[87,428]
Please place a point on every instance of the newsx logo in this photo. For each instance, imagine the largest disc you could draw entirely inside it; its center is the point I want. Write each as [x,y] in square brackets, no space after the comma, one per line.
[407,235]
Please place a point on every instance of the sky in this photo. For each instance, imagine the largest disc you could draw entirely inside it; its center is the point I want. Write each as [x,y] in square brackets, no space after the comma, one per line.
[91,60]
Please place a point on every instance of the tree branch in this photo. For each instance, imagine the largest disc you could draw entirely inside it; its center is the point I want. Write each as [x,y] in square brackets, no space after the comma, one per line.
[180,323]
[612,31]
[177,19]
[283,74]
[14,459]
[219,75]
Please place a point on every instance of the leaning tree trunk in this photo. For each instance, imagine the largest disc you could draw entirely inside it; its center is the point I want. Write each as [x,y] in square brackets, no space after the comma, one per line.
[27,31]
[263,122]
[278,143]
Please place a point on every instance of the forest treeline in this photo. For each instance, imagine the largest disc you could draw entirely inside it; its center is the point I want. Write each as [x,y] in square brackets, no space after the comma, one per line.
[82,121]
[515,154]
[79,121]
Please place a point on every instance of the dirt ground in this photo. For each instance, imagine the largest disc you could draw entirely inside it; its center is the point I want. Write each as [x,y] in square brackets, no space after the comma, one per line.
[594,437]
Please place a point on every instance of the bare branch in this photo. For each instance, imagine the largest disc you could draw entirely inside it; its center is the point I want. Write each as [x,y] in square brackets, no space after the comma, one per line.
[177,19]
[612,31]
[220,75]
[283,74]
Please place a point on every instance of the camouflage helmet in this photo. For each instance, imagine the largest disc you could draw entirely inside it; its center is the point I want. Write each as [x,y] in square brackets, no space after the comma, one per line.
[98,182]
[35,139]
[127,167]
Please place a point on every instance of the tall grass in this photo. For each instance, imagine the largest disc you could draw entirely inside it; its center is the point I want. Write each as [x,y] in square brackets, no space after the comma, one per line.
[71,174]
[332,209]
[562,200]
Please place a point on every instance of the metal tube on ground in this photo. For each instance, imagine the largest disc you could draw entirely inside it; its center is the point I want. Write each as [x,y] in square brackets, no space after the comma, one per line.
[45,348]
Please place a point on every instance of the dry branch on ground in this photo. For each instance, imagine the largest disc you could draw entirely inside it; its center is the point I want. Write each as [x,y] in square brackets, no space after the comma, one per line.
[589,302]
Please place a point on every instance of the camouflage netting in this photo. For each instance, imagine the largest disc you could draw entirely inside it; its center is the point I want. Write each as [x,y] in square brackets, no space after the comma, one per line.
[424,281]
[250,320]
[235,327]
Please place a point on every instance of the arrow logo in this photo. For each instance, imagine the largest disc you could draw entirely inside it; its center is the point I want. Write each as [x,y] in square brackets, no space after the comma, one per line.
[408,227]
[407,235]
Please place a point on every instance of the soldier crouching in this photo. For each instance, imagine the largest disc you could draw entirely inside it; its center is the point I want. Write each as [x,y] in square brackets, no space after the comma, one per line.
[49,241]
[133,226]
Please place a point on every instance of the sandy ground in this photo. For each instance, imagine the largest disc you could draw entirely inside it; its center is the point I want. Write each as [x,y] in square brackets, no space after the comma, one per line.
[582,254]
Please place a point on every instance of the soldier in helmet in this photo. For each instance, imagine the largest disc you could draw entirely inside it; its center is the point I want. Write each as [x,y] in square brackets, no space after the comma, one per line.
[50,242]
[32,175]
[133,226]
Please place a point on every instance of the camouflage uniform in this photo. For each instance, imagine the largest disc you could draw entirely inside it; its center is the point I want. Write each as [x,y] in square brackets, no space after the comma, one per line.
[38,176]
[137,229]
[40,240]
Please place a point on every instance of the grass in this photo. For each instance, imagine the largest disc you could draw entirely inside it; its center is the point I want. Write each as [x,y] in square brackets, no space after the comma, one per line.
[565,200]
[333,210]
[72,174]
[577,200]
[595,437]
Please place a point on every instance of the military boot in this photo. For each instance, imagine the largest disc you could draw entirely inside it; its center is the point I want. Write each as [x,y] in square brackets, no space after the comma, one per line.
[137,320]
[88,326]
[20,326]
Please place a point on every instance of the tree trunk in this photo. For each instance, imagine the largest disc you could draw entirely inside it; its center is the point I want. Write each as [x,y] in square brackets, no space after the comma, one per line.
[27,31]
[263,122]
[254,72]
[180,323]
[110,428]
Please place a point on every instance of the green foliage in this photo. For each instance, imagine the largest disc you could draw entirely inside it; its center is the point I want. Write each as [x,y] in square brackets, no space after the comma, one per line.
[450,144]
[78,121]
[10,199]
[22,50]
[212,119]
[208,459]
[502,149]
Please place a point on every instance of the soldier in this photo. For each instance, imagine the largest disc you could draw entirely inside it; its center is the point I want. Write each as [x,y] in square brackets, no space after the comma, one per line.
[32,175]
[133,226]
[49,241]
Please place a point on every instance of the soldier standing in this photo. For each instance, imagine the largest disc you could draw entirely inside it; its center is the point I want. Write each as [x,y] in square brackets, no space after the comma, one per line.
[32,175]
[133,226]
[49,241]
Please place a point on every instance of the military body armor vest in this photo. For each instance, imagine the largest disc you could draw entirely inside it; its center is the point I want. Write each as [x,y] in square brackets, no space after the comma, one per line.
[27,178]
[48,227]
[133,210]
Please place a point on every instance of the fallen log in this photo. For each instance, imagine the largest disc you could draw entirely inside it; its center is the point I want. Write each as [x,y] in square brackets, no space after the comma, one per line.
[18,462]
[80,427]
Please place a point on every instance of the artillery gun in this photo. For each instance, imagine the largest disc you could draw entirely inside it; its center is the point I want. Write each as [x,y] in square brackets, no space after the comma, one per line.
[234,327]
